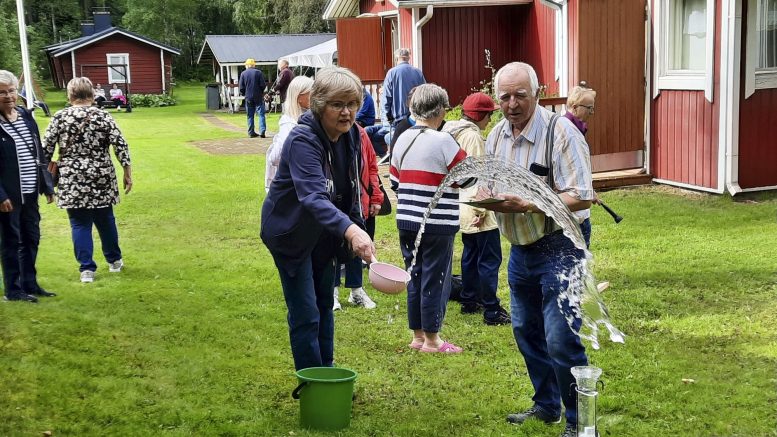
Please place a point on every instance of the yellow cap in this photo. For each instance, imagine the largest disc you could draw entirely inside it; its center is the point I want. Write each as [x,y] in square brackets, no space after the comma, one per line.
[250,62]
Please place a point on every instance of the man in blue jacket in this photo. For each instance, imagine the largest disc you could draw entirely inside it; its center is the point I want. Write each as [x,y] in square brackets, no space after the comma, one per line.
[252,86]
[397,85]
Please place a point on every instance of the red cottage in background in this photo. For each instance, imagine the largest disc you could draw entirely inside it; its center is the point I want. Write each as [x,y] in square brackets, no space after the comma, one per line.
[108,55]
[686,89]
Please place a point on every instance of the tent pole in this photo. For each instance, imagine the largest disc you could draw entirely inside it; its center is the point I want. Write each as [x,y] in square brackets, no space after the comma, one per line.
[29,88]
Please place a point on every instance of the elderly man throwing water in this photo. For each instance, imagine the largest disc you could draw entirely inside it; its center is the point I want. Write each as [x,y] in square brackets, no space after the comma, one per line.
[540,252]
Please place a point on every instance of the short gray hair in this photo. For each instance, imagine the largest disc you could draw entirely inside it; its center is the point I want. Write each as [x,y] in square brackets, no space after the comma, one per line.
[428,101]
[403,53]
[535,84]
[80,88]
[8,78]
[333,81]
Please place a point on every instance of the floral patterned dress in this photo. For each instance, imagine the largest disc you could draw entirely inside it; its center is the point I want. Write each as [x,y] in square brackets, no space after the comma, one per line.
[87,178]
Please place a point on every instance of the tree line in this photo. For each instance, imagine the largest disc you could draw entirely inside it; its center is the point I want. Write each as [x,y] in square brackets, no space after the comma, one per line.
[180,23]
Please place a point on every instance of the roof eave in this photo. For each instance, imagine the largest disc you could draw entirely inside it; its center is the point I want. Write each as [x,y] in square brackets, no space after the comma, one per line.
[110,32]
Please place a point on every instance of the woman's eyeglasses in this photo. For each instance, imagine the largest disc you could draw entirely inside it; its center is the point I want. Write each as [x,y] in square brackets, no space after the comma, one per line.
[339,106]
[6,93]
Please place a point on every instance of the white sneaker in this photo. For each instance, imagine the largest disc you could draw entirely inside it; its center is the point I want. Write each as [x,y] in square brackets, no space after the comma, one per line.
[87,276]
[359,298]
[116,266]
[337,305]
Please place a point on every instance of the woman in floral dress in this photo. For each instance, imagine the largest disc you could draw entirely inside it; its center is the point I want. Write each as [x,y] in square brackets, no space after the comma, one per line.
[88,188]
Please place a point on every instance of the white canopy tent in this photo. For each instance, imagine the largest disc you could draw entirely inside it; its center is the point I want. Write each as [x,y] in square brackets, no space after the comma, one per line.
[319,56]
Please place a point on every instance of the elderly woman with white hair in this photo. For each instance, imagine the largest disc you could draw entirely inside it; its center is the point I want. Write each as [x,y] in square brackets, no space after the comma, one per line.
[23,177]
[420,161]
[297,103]
[311,218]
[88,188]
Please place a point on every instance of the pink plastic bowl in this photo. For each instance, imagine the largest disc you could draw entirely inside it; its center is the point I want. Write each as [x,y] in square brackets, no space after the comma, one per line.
[387,278]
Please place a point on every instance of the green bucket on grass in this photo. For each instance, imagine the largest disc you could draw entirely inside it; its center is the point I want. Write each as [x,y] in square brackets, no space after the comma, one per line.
[325,397]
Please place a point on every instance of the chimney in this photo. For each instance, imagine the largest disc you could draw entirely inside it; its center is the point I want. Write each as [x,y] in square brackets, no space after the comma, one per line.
[87,28]
[102,20]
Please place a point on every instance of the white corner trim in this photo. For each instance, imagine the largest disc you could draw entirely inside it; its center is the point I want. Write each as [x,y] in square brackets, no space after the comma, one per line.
[73,63]
[162,64]
[654,20]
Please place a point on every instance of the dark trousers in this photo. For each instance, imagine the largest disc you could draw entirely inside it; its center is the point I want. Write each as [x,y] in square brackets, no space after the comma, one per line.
[548,345]
[309,299]
[430,280]
[480,261]
[253,108]
[585,228]
[19,246]
[81,221]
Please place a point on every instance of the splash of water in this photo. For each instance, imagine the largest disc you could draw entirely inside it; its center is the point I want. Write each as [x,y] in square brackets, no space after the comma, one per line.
[581,300]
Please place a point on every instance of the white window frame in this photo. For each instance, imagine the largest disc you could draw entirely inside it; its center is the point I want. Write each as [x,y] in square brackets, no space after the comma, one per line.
[682,79]
[110,70]
[755,80]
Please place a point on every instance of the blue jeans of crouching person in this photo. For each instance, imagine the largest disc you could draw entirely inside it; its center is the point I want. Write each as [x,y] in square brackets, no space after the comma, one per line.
[548,345]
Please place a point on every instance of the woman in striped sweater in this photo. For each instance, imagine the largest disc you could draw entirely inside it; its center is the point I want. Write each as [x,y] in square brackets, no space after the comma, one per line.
[421,159]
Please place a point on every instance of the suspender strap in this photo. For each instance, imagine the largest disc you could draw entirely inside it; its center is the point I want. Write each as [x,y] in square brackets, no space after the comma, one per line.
[549,143]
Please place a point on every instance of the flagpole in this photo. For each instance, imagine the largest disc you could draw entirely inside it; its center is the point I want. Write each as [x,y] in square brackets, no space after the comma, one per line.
[28,85]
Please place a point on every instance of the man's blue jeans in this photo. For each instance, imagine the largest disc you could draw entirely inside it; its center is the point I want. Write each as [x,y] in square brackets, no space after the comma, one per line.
[545,340]
[81,221]
[252,108]
[480,261]
[309,299]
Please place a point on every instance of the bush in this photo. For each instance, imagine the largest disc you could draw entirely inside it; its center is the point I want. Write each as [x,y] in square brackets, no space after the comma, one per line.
[151,100]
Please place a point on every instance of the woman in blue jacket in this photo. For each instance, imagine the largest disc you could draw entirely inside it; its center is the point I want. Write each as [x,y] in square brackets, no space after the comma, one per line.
[312,214]
[23,177]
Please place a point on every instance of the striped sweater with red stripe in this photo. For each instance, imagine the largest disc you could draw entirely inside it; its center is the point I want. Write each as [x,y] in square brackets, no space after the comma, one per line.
[421,159]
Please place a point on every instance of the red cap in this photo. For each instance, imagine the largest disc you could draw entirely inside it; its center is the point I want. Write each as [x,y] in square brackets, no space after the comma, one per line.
[477,105]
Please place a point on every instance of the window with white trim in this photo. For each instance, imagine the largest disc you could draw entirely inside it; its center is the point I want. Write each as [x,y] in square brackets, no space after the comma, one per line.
[766,28]
[761,50]
[117,73]
[684,44]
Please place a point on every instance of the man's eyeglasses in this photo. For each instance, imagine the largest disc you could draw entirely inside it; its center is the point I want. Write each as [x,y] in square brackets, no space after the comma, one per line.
[339,106]
[11,92]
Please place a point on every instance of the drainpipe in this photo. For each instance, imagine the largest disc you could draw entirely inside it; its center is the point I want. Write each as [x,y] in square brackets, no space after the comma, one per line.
[730,84]
[417,34]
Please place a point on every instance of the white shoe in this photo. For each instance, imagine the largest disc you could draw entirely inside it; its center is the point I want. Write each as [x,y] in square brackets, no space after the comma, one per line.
[359,298]
[337,305]
[87,276]
[116,266]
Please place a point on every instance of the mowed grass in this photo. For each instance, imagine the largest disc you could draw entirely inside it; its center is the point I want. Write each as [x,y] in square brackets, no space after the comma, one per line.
[191,338]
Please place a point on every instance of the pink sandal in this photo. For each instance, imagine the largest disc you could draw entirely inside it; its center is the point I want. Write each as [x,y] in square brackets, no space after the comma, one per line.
[445,348]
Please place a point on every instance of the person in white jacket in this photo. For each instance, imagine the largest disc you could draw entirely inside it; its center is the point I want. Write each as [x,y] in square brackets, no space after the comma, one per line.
[297,102]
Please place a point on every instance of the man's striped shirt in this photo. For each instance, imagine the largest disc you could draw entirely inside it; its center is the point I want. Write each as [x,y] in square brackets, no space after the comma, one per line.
[571,168]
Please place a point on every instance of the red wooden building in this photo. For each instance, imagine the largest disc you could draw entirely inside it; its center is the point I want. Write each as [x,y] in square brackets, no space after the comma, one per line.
[565,42]
[686,89]
[713,118]
[108,55]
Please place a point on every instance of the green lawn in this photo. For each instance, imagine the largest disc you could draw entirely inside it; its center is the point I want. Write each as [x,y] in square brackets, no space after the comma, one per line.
[191,338]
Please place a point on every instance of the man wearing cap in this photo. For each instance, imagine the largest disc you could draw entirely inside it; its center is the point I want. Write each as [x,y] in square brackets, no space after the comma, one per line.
[397,85]
[482,254]
[252,85]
